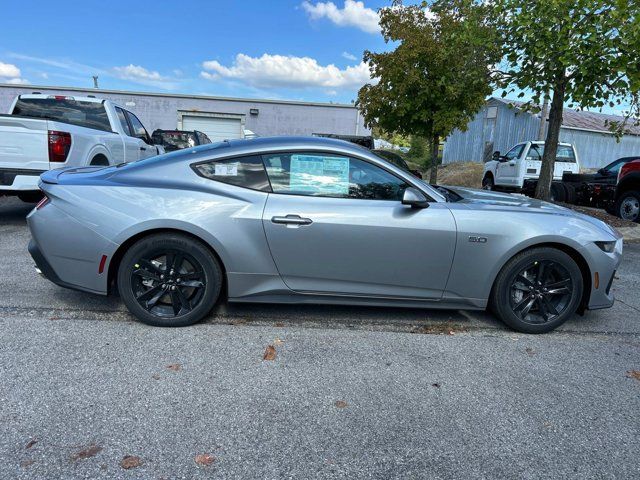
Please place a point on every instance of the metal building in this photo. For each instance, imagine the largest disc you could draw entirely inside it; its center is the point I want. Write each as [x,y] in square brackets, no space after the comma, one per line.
[501,124]
[220,118]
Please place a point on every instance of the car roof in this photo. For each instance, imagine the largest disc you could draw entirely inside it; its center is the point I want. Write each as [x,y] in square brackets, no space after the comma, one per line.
[40,96]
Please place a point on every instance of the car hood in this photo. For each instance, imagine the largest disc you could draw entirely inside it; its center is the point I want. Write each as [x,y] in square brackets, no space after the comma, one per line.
[488,200]
[474,197]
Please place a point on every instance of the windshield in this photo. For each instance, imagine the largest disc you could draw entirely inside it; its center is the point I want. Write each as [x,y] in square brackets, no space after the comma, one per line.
[66,109]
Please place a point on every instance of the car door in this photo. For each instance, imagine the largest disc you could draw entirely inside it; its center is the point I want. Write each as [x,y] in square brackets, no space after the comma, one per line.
[142,138]
[507,168]
[131,144]
[336,225]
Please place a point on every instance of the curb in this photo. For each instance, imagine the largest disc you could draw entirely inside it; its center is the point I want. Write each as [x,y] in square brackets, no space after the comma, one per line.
[630,234]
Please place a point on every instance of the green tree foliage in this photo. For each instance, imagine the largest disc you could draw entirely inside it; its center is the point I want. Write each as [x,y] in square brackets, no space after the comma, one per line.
[580,52]
[439,74]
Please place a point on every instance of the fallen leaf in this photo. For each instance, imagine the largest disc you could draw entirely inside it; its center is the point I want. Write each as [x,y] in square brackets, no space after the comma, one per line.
[174,367]
[205,459]
[269,353]
[31,443]
[155,377]
[26,463]
[91,451]
[439,329]
[130,461]
[341,404]
[530,351]
[634,374]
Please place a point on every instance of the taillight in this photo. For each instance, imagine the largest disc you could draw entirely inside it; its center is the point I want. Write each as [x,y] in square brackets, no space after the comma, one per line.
[59,146]
[42,202]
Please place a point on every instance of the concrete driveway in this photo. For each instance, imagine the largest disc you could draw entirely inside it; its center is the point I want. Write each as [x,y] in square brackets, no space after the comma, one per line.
[351,392]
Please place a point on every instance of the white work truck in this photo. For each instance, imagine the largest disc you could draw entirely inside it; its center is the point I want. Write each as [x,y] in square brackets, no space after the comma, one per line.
[518,170]
[43,132]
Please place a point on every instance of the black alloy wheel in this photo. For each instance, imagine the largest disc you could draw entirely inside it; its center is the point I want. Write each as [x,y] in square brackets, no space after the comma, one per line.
[541,292]
[537,290]
[169,280]
[169,284]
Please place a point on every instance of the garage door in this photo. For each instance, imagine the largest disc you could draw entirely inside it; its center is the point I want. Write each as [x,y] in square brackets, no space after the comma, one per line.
[216,128]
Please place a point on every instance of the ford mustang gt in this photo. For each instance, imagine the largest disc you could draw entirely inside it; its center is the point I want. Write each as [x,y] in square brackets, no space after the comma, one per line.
[312,220]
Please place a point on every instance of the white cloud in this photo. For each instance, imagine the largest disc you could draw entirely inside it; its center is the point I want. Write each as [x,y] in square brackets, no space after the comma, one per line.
[349,56]
[9,73]
[286,71]
[139,74]
[353,14]
[8,70]
[136,72]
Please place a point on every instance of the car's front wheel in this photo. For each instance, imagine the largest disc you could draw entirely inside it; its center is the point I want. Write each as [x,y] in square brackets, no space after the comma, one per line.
[487,183]
[537,290]
[169,280]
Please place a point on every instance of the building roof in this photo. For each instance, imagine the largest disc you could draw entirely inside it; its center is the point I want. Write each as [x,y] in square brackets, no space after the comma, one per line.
[583,120]
[176,95]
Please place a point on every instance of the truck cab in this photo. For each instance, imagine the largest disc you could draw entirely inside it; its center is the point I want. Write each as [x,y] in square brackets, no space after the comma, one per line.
[522,163]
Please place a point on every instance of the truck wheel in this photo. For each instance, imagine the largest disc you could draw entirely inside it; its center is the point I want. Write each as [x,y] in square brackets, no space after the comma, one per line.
[628,206]
[570,192]
[487,182]
[557,192]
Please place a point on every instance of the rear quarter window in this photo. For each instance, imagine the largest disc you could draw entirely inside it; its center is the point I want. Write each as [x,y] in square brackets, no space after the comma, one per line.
[247,172]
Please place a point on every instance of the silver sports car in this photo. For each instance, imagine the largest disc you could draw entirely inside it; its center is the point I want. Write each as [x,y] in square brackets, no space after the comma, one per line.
[312,220]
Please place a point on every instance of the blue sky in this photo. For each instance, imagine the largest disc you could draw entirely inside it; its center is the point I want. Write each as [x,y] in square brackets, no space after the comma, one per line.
[292,49]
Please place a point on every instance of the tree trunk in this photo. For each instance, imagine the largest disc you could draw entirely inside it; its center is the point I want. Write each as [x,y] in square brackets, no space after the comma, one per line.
[435,145]
[543,189]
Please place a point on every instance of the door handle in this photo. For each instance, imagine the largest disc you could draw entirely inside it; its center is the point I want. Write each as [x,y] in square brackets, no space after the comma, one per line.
[143,148]
[292,220]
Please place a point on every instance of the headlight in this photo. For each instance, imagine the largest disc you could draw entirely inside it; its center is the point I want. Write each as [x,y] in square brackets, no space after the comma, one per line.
[607,247]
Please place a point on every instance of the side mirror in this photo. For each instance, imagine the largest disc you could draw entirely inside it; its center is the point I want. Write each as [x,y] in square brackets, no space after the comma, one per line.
[414,198]
[496,155]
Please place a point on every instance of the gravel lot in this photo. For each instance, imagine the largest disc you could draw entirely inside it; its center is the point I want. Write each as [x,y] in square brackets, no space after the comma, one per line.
[351,393]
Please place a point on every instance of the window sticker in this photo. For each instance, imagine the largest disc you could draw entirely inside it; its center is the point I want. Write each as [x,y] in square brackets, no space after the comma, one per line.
[318,174]
[226,169]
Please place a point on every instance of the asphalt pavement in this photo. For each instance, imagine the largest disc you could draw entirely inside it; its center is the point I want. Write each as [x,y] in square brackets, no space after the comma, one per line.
[351,393]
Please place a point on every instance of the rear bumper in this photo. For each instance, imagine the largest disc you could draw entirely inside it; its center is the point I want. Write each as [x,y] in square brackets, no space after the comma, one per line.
[19,180]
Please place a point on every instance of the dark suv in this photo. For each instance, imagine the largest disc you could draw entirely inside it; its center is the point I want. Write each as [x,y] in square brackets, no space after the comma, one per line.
[178,139]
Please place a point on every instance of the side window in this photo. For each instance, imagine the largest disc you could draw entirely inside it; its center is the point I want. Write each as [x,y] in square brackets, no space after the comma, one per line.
[565,154]
[328,175]
[247,172]
[123,122]
[535,152]
[203,138]
[138,129]
[514,152]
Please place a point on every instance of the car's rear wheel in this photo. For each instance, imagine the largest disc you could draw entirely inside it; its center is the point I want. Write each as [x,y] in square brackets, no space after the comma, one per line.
[628,206]
[487,183]
[169,280]
[537,290]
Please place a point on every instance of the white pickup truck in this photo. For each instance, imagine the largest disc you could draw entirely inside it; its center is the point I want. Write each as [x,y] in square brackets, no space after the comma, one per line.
[42,132]
[518,170]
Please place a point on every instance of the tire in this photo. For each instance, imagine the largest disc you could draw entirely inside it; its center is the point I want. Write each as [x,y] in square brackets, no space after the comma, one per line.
[30,197]
[557,192]
[524,305]
[487,182]
[569,193]
[162,296]
[628,206]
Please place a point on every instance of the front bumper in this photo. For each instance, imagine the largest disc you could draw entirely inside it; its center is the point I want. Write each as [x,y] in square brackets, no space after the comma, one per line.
[605,265]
